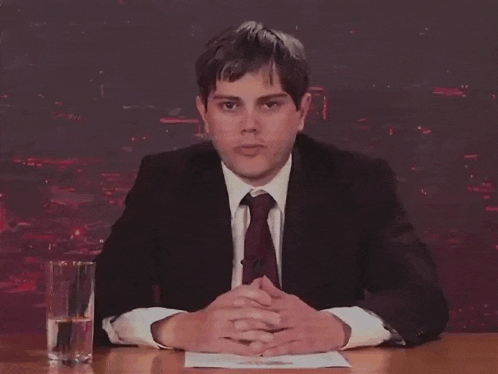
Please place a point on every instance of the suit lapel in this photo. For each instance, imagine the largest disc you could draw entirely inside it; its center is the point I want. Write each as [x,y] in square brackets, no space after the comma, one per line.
[315,204]
[293,235]
[209,202]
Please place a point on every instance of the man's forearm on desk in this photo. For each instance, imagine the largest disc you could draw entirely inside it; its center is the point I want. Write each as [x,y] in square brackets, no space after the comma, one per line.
[134,327]
[367,329]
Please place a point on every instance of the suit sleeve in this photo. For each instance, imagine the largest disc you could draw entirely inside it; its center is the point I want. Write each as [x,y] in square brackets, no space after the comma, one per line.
[126,268]
[399,272]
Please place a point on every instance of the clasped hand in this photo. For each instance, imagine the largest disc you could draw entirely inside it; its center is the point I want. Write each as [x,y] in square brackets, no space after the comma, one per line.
[255,319]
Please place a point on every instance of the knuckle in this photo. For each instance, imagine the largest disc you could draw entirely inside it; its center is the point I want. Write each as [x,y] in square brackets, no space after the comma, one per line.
[214,314]
[293,298]
[240,335]
[264,336]
[253,335]
[221,299]
[278,338]
[217,315]
[295,347]
[244,335]
[239,302]
[284,319]
[241,325]
[253,312]
[307,329]
[281,350]
[287,303]
[310,342]
[269,352]
[243,289]
[303,335]
[242,351]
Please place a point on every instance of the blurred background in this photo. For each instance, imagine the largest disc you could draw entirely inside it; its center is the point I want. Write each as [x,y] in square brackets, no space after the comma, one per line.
[88,87]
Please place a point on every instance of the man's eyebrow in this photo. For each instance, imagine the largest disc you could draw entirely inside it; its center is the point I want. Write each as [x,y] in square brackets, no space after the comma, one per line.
[262,98]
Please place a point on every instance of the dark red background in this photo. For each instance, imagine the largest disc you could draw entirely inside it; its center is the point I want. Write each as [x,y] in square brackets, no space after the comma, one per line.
[84,86]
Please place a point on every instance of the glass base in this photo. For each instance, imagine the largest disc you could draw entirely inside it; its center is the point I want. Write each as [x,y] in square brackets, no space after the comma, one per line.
[68,359]
[58,367]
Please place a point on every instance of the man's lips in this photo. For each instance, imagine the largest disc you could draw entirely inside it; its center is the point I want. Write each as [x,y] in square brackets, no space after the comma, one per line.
[249,149]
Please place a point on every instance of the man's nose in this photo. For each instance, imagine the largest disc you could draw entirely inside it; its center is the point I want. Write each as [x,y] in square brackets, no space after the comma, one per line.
[250,122]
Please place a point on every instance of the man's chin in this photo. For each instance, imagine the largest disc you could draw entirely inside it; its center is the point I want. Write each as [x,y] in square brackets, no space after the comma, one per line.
[254,177]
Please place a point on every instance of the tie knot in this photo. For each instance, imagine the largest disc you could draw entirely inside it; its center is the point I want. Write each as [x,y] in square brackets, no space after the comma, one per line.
[259,206]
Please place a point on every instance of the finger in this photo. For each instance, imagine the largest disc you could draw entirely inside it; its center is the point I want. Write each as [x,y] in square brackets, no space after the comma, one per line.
[259,314]
[288,320]
[285,336]
[256,283]
[232,346]
[251,324]
[252,293]
[252,335]
[279,303]
[245,291]
[268,286]
[258,346]
[244,302]
[285,349]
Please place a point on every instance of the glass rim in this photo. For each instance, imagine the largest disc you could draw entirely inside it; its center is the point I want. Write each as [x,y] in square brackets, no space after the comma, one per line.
[70,263]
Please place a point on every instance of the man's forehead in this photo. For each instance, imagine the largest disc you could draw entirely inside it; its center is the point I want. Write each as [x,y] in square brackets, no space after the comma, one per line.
[270,75]
[265,78]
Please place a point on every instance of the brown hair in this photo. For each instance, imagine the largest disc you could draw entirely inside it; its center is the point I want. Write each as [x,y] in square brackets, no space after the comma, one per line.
[250,47]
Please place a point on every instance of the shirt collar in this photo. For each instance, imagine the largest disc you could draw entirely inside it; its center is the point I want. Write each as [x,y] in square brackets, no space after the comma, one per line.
[277,187]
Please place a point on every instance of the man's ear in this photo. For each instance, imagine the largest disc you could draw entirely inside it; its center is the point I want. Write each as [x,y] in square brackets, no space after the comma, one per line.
[305,105]
[202,111]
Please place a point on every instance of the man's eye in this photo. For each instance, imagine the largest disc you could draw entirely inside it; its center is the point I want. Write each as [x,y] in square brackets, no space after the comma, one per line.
[273,104]
[228,105]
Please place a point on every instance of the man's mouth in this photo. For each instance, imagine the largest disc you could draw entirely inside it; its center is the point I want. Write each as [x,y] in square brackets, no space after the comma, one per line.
[249,150]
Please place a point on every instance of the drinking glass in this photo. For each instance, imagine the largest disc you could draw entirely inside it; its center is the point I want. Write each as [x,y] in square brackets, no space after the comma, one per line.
[70,308]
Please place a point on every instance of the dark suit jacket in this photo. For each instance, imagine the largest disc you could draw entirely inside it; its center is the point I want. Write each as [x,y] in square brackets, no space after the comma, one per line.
[345,232]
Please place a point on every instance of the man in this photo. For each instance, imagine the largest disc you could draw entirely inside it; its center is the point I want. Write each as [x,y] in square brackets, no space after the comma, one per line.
[264,241]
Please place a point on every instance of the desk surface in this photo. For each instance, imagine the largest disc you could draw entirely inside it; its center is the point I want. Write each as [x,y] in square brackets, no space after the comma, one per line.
[453,353]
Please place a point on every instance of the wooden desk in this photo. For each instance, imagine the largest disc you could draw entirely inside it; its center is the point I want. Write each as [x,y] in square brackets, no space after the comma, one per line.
[452,354]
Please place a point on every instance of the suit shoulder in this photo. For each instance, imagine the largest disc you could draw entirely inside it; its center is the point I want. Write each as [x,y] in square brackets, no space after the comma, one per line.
[349,166]
[353,165]
[176,161]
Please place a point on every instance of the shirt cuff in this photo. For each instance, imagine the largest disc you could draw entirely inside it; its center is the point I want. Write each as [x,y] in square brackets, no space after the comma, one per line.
[367,329]
[134,327]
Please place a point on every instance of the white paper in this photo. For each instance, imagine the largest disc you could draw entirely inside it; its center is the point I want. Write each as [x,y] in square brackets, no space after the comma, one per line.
[305,361]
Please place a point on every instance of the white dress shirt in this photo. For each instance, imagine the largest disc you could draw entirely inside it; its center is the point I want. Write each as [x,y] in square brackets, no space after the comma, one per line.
[134,327]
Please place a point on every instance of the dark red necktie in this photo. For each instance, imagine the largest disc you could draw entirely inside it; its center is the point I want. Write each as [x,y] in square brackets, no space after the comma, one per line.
[259,252]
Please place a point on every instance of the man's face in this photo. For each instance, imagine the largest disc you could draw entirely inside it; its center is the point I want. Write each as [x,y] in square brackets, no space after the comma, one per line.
[253,125]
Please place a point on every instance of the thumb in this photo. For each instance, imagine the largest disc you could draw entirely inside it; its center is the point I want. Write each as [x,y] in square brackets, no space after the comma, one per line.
[268,286]
[256,283]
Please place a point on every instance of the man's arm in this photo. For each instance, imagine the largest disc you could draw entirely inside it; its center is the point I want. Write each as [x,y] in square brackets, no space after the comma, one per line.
[399,272]
[365,328]
[127,266]
[135,327]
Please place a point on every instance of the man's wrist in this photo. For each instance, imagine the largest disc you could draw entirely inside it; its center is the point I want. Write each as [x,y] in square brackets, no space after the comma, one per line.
[167,331]
[367,329]
[345,328]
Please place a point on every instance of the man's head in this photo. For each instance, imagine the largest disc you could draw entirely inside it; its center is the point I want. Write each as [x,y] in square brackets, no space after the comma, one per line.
[253,99]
